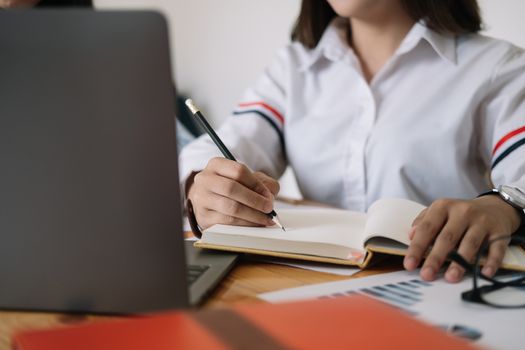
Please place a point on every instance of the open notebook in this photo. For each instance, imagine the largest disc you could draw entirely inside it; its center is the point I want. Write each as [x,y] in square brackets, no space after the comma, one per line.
[332,235]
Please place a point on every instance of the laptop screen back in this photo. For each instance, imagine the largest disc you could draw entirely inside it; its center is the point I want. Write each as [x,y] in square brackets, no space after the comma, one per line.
[90,216]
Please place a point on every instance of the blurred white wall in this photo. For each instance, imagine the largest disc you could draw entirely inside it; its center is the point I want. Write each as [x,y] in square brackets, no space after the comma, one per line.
[220,47]
[504,19]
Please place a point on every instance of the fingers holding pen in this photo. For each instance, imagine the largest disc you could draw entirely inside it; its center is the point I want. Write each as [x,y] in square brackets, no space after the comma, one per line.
[270,183]
[234,180]
[211,208]
[215,217]
[236,190]
[230,212]
[227,192]
[231,195]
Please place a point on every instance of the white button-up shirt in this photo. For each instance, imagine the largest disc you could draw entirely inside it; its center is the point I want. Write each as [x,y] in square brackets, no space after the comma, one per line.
[444,117]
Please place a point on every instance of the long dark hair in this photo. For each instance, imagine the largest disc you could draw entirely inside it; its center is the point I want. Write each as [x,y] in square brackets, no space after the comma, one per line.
[65,3]
[444,16]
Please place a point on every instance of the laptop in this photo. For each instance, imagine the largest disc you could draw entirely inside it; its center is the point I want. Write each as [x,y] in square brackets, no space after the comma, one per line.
[90,209]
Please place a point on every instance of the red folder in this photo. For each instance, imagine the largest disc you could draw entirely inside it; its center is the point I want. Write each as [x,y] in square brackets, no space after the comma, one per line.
[354,322]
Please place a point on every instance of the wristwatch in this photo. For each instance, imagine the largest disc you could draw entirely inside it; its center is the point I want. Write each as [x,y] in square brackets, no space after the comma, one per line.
[513,196]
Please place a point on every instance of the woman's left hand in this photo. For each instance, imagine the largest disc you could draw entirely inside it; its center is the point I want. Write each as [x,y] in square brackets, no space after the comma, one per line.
[464,224]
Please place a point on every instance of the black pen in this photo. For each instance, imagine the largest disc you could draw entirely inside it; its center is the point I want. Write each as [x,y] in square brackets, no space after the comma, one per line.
[225,151]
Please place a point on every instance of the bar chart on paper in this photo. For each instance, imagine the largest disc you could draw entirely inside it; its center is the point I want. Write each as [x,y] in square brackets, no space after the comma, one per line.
[402,294]
[405,295]
[437,302]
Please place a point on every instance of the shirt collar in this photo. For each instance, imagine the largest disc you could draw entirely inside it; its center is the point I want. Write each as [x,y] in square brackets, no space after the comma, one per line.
[333,44]
[443,44]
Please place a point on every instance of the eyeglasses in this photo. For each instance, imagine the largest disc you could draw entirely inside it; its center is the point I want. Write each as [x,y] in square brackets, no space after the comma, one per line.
[505,291]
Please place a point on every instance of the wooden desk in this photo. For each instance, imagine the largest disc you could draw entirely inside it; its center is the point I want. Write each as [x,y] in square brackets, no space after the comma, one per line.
[243,284]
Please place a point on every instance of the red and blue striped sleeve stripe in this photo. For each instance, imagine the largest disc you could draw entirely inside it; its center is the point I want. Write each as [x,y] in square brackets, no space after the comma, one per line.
[508,144]
[265,111]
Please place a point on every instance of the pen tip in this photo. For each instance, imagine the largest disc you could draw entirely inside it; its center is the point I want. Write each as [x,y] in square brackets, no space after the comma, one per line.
[278,222]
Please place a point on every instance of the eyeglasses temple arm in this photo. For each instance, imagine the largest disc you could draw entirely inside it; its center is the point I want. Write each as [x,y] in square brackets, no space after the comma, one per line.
[454,256]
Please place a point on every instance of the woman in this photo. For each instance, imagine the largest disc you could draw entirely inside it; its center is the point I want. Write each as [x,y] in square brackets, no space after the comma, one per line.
[385,98]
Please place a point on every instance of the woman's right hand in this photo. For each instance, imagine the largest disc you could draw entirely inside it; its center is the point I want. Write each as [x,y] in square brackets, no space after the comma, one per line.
[227,192]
